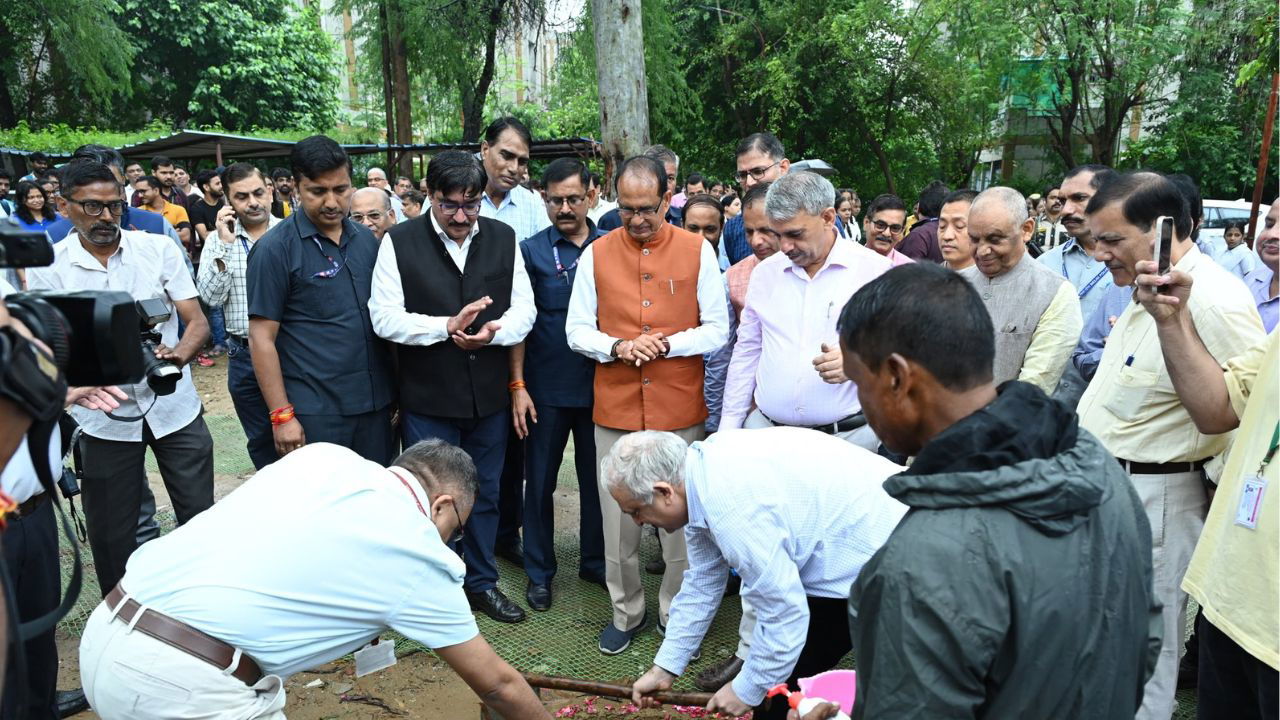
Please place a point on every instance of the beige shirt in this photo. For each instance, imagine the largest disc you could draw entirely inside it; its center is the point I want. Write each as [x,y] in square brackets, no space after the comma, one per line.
[1131,405]
[1055,337]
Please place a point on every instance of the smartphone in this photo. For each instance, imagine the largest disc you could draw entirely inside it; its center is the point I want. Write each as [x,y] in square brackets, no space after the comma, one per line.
[1164,245]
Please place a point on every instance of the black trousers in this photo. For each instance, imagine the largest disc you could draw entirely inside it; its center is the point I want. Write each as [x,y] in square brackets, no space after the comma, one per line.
[1234,685]
[115,474]
[511,491]
[369,435]
[827,641]
[31,554]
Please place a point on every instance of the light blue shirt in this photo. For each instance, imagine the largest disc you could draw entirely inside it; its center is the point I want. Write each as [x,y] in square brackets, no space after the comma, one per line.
[1090,277]
[308,560]
[1259,282]
[1239,260]
[522,209]
[797,513]
[717,369]
[1097,326]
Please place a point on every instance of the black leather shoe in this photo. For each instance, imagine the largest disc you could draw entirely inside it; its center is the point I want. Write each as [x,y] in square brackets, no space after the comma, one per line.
[511,551]
[70,702]
[593,578]
[493,603]
[719,675]
[656,567]
[539,596]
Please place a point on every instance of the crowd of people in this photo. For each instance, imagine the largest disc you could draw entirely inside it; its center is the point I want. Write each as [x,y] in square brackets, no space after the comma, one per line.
[981,441]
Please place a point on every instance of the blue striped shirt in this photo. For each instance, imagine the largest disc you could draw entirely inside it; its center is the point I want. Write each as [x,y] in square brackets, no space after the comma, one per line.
[797,513]
[522,209]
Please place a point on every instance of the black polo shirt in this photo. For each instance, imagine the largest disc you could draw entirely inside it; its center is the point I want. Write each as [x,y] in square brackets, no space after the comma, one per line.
[332,362]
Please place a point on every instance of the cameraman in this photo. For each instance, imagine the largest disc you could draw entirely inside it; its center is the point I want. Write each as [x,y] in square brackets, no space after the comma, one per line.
[102,256]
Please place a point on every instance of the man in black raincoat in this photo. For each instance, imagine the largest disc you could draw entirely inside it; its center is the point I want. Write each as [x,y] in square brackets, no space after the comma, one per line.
[1018,585]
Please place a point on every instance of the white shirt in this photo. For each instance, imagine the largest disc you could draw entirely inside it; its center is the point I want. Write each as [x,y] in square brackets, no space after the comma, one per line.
[19,480]
[786,319]
[308,560]
[391,321]
[712,331]
[1240,260]
[797,513]
[522,209]
[227,288]
[144,266]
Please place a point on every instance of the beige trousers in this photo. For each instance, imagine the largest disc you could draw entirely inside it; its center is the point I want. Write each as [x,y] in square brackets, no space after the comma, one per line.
[1176,505]
[622,545]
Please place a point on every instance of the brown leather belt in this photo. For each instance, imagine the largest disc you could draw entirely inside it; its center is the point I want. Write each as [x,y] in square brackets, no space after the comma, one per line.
[185,638]
[1143,468]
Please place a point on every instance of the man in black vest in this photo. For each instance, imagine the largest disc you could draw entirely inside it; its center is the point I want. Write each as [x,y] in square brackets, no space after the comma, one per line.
[450,289]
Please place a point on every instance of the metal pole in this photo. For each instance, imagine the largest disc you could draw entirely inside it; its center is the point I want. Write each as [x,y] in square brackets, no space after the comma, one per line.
[217,152]
[1267,128]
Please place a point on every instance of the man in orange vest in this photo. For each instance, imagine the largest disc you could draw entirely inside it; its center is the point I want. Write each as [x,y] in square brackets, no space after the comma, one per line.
[648,301]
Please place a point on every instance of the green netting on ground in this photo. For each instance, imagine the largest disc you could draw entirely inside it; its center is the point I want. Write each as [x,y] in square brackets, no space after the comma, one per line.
[561,641]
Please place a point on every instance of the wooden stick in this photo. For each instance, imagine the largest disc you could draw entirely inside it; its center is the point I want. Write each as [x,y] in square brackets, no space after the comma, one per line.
[612,690]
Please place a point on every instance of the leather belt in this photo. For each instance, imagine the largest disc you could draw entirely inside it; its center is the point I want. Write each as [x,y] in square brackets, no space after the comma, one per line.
[1144,468]
[843,425]
[185,638]
[32,504]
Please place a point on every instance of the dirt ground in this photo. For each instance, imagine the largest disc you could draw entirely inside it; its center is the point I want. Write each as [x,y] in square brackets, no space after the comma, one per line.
[419,686]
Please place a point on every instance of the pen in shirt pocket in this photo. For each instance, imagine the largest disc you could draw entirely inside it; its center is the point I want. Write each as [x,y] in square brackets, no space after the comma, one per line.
[672,284]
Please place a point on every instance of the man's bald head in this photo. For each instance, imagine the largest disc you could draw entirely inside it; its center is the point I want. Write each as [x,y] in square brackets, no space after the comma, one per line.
[371,207]
[376,177]
[999,227]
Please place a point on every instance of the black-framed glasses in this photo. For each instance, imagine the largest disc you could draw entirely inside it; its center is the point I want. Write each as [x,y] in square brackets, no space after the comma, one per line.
[573,200]
[757,173]
[626,212]
[94,208]
[881,226]
[470,209]
[457,535]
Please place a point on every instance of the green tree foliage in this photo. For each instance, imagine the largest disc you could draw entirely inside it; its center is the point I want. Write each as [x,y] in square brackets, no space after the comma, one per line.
[56,55]
[235,63]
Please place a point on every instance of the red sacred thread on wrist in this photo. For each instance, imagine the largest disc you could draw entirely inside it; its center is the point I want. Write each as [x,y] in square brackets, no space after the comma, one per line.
[282,415]
[516,385]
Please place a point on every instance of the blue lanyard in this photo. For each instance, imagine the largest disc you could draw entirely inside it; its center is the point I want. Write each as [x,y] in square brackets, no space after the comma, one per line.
[560,268]
[1096,278]
[335,265]
[245,245]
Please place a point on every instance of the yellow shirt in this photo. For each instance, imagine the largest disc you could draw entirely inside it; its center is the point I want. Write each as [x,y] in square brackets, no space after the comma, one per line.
[1235,569]
[1130,405]
[175,214]
[1054,338]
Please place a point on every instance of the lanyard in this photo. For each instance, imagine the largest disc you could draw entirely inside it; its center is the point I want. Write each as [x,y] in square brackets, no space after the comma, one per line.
[1096,278]
[411,492]
[1271,451]
[560,268]
[245,244]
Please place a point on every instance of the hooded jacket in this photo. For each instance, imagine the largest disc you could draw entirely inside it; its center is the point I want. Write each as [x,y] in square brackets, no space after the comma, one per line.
[1018,585]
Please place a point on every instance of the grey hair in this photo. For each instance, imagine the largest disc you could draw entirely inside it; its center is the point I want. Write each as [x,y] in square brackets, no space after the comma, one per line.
[798,192]
[640,459]
[386,199]
[1015,205]
[662,154]
[378,170]
[440,465]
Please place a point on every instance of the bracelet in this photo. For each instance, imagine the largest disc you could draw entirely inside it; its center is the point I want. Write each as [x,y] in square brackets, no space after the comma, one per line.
[613,351]
[516,385]
[282,415]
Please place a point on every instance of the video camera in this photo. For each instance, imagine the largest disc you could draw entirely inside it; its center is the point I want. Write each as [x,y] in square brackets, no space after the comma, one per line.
[98,337]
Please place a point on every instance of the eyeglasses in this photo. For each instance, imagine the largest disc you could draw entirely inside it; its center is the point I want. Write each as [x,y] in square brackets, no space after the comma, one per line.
[456,537]
[94,208]
[881,226]
[626,212]
[573,200]
[375,217]
[757,173]
[470,209]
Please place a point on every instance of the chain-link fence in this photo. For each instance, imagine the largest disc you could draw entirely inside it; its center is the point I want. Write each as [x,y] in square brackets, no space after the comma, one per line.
[561,641]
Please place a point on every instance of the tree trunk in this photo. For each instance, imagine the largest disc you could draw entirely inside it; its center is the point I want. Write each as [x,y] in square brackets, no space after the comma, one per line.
[400,86]
[620,75]
[388,103]
[473,99]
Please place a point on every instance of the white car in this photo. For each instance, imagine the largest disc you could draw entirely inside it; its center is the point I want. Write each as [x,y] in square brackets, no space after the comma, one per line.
[1217,213]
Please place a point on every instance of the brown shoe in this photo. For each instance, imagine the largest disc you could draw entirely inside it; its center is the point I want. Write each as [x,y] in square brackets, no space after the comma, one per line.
[719,675]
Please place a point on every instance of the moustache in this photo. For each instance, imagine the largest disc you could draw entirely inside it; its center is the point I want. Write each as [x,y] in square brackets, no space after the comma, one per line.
[103,233]
[566,217]
[1070,219]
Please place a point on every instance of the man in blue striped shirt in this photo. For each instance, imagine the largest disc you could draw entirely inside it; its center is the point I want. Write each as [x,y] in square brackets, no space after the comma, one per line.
[795,511]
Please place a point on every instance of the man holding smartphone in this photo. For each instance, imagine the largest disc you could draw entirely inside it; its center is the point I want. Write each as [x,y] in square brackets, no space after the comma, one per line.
[1131,404]
[221,282]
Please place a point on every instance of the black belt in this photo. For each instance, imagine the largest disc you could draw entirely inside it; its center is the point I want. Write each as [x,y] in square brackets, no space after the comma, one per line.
[32,504]
[843,425]
[1144,468]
